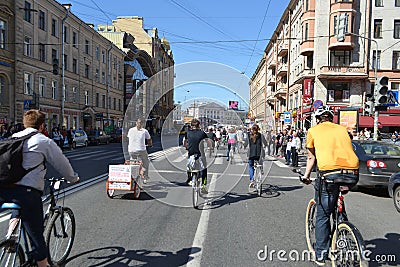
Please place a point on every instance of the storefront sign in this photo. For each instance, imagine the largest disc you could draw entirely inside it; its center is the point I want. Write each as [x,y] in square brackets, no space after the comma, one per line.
[287,117]
[336,108]
[307,91]
[99,116]
[348,119]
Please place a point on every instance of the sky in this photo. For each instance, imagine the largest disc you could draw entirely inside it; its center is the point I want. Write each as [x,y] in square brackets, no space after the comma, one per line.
[232,33]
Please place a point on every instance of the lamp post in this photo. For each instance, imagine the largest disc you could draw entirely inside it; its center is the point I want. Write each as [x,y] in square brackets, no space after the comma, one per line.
[67,7]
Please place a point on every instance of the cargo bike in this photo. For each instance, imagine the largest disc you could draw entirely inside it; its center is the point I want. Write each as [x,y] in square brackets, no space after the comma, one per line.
[126,177]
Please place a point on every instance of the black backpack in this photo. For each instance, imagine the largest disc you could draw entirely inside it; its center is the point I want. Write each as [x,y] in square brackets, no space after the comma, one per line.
[11,151]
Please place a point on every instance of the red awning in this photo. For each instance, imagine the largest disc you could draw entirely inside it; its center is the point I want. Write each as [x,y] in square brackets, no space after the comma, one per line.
[364,121]
[389,120]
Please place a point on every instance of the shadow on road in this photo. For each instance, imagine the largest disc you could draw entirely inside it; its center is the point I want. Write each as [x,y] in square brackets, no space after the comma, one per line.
[384,251]
[270,191]
[118,257]
[377,192]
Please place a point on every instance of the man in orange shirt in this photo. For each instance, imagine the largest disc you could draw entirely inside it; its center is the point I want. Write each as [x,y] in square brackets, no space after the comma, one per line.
[330,146]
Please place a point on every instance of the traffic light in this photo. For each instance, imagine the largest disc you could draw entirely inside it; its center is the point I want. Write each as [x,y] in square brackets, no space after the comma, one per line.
[55,66]
[369,107]
[381,90]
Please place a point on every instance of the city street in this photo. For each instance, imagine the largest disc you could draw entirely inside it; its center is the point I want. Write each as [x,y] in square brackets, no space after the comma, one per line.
[233,228]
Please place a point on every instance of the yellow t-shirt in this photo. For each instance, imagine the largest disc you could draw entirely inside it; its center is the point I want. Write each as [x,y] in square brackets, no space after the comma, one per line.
[333,148]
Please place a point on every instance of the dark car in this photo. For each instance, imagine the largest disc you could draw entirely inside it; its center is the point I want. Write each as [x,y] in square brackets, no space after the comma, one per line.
[99,137]
[378,161]
[394,189]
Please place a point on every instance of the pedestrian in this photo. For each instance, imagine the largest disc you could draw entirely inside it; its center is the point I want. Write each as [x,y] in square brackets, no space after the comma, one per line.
[137,137]
[295,149]
[288,155]
[57,137]
[285,140]
[256,151]
[278,142]
[70,137]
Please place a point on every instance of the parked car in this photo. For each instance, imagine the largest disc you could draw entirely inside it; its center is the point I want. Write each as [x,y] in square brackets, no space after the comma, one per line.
[99,137]
[117,136]
[394,189]
[80,139]
[378,161]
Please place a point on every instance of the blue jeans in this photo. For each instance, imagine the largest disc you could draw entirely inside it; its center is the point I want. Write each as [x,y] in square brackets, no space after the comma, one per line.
[251,168]
[326,201]
[31,214]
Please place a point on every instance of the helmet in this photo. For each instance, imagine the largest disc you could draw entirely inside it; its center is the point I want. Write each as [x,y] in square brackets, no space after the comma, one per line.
[324,111]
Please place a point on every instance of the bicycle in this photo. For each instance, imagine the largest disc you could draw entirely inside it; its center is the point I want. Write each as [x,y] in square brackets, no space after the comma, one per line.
[194,172]
[59,233]
[347,245]
[257,178]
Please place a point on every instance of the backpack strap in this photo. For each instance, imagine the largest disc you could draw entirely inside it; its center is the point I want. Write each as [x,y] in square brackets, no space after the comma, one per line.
[26,137]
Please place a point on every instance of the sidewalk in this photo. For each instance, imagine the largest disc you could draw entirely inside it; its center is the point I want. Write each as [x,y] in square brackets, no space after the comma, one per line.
[302,160]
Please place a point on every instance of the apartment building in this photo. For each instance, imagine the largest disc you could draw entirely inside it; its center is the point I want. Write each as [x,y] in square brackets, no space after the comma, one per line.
[307,66]
[62,66]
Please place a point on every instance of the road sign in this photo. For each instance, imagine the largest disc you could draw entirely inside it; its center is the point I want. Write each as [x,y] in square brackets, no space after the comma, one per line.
[287,117]
[393,98]
[317,104]
[27,104]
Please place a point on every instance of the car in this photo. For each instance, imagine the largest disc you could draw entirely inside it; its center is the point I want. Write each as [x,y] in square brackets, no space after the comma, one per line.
[116,136]
[394,189]
[80,139]
[378,161]
[99,137]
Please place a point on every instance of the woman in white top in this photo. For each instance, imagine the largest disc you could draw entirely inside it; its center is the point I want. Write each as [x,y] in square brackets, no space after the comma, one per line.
[288,151]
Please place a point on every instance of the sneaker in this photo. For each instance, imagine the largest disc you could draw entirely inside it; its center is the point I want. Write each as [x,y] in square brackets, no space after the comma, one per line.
[204,189]
[251,184]
[319,262]
[190,183]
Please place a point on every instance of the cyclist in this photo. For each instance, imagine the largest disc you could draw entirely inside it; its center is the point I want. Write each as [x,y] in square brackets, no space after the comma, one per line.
[256,142]
[28,191]
[240,134]
[137,145]
[329,145]
[194,143]
[232,140]
[218,136]
[211,135]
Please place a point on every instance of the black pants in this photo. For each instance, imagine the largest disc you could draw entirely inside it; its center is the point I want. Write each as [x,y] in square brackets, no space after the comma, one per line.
[295,157]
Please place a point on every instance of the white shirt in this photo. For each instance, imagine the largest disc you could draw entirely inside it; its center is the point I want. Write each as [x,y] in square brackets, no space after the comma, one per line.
[40,148]
[137,139]
[218,134]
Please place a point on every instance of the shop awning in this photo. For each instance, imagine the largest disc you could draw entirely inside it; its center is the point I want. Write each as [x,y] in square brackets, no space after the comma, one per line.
[368,121]
[389,120]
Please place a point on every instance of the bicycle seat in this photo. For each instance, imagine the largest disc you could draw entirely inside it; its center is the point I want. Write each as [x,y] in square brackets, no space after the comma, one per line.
[10,206]
[344,189]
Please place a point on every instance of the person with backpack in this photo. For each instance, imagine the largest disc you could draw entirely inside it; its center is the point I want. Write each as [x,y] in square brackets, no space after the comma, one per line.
[22,172]
[329,146]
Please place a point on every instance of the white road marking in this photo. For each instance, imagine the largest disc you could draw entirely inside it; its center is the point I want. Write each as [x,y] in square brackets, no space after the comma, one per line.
[280,164]
[201,232]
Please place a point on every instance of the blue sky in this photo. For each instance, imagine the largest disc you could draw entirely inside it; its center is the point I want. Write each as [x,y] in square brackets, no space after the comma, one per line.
[233,26]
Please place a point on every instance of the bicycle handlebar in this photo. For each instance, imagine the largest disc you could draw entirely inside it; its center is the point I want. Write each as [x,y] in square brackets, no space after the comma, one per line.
[303,180]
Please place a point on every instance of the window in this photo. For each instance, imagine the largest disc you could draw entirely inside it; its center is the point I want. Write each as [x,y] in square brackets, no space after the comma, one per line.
[54,27]
[97,99]
[103,77]
[396,60]
[376,60]
[87,47]
[65,62]
[3,95]
[103,56]
[74,95]
[74,65]
[395,86]
[65,93]
[54,90]
[378,3]
[340,58]
[42,20]
[306,32]
[28,90]
[42,86]
[74,39]
[54,54]
[396,32]
[97,53]
[86,70]
[109,102]
[103,101]
[2,34]
[306,2]
[28,12]
[65,34]
[335,24]
[397,3]
[86,98]
[377,28]
[119,104]
[338,92]
[97,75]
[42,52]
[114,82]
[115,103]
[27,46]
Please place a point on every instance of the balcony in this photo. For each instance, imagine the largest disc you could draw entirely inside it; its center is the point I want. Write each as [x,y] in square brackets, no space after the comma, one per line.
[282,69]
[281,90]
[271,62]
[307,47]
[343,72]
[305,74]
[347,44]
[271,80]
[283,48]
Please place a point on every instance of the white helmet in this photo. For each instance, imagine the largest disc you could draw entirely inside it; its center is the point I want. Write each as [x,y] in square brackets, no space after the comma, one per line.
[324,110]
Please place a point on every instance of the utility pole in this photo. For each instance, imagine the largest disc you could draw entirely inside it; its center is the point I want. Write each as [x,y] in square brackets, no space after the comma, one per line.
[67,7]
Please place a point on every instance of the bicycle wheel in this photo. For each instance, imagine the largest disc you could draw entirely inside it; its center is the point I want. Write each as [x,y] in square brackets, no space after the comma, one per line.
[10,251]
[258,182]
[347,248]
[136,189]
[195,190]
[310,225]
[110,192]
[231,156]
[60,235]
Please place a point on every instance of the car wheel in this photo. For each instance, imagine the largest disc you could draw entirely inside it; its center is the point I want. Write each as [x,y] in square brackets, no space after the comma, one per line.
[98,142]
[74,145]
[86,144]
[396,198]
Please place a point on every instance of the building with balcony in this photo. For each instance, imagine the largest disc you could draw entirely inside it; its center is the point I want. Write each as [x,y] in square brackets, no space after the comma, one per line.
[308,65]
